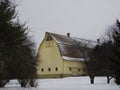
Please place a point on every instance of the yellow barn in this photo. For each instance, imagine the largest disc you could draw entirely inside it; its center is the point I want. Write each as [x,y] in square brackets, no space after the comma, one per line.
[62,55]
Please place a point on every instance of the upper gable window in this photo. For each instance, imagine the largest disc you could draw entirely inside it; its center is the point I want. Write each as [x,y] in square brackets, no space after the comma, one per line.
[49,41]
[49,38]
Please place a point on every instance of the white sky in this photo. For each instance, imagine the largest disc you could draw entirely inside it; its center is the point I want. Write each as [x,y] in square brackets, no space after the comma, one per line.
[82,18]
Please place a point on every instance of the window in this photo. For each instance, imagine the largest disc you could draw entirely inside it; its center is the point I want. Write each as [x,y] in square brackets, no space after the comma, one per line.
[70,69]
[84,69]
[56,69]
[49,38]
[42,69]
[49,69]
[49,42]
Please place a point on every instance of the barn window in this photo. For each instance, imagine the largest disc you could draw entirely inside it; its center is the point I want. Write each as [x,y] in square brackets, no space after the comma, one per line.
[49,38]
[84,69]
[70,69]
[49,69]
[49,42]
[56,69]
[42,70]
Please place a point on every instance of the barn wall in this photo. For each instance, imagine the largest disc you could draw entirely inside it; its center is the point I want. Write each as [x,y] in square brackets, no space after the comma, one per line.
[74,68]
[50,61]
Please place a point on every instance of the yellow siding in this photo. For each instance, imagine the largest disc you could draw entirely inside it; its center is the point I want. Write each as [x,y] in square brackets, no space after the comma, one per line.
[74,68]
[49,58]
[51,64]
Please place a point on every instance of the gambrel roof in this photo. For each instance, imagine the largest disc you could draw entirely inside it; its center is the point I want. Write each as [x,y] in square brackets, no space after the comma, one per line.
[72,48]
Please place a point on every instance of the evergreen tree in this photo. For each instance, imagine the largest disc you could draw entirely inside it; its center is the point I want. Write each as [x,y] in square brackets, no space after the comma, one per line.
[17,60]
[100,63]
[116,59]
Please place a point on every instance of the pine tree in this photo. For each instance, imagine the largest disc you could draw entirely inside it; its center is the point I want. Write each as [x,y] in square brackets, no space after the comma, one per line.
[100,62]
[116,59]
[17,60]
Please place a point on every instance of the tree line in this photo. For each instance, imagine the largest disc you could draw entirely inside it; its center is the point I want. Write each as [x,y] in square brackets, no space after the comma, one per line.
[105,56]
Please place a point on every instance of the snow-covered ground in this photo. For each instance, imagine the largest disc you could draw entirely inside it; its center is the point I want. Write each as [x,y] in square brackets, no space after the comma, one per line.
[69,83]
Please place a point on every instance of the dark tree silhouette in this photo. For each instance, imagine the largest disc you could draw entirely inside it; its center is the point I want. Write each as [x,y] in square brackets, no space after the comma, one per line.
[100,63]
[116,59]
[17,59]
[105,58]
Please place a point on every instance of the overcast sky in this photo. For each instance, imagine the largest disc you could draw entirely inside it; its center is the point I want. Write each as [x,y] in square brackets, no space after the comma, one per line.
[82,18]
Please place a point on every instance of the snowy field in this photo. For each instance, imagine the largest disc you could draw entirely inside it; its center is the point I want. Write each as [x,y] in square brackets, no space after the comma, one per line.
[69,83]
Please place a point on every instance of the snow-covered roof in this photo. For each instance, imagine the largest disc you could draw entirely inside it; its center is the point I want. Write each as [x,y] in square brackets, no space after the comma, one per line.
[64,39]
[71,48]
[84,42]
[71,58]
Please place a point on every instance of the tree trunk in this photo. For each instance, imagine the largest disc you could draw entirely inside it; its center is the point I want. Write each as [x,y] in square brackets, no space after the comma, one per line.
[108,80]
[33,83]
[23,82]
[3,83]
[92,79]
